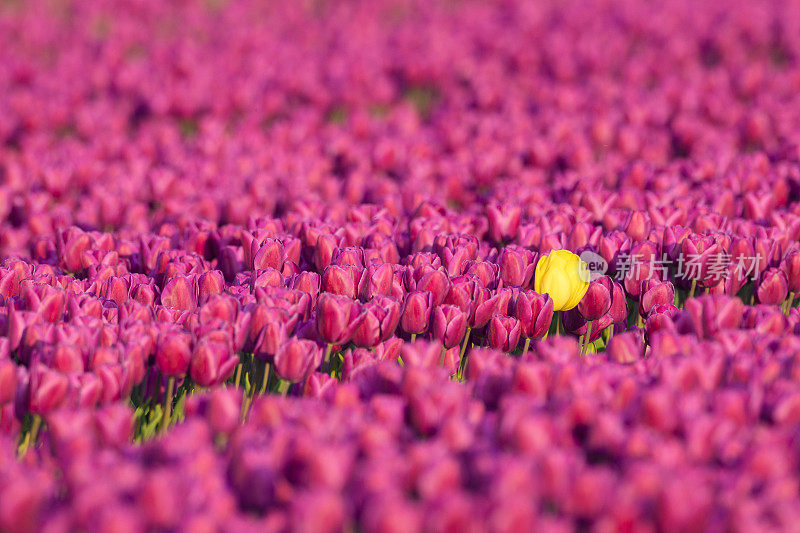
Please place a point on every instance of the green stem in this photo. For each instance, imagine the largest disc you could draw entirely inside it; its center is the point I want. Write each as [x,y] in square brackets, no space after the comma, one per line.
[527,345]
[413,337]
[557,318]
[586,337]
[267,368]
[787,305]
[466,340]
[168,404]
[283,386]
[444,351]
[35,425]
[328,349]
[238,374]
[30,437]
[462,362]
[694,287]
[245,408]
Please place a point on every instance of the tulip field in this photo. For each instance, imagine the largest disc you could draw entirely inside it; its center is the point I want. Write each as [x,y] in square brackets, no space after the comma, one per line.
[399,266]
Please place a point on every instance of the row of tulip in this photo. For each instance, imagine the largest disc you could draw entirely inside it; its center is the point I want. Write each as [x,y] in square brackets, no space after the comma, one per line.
[399,266]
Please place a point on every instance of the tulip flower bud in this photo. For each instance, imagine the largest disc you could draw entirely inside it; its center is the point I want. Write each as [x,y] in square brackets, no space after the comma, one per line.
[619,305]
[179,294]
[791,267]
[269,255]
[612,246]
[67,358]
[449,325]
[453,242]
[638,226]
[653,293]
[773,287]
[707,315]
[765,319]
[70,246]
[597,300]
[308,282]
[454,259]
[488,273]
[47,389]
[516,266]
[437,283]
[626,347]
[229,263]
[376,322]
[642,266]
[211,282]
[276,325]
[552,242]
[702,256]
[144,294]
[563,276]
[584,234]
[503,222]
[341,280]
[116,289]
[496,305]
[421,354]
[534,312]
[376,279]
[671,241]
[212,363]
[504,332]
[660,319]
[297,359]
[416,315]
[323,251]
[348,256]
[464,293]
[768,253]
[173,354]
[335,317]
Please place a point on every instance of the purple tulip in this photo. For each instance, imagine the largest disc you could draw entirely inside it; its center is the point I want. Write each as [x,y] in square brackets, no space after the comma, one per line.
[297,359]
[516,266]
[341,280]
[376,322]
[47,390]
[212,363]
[773,287]
[376,279]
[173,354]
[534,312]
[597,300]
[179,293]
[503,333]
[449,325]
[335,316]
[626,347]
[503,222]
[653,293]
[790,265]
[416,313]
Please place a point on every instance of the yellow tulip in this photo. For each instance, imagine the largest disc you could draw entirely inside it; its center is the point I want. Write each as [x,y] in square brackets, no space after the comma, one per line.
[563,276]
